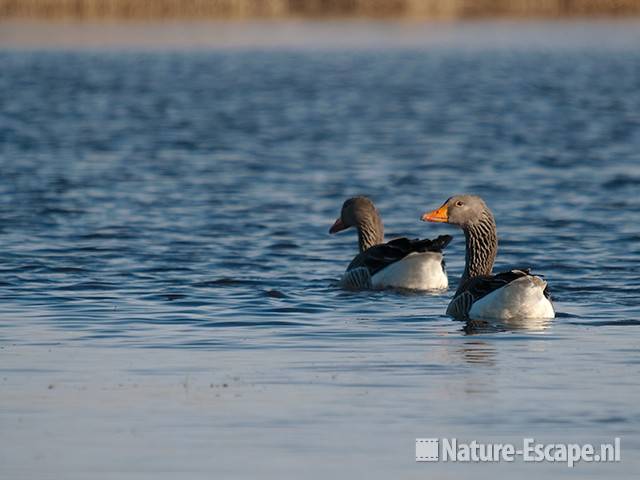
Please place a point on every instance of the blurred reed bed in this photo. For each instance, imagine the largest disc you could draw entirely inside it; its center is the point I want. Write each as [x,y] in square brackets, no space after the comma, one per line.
[451,9]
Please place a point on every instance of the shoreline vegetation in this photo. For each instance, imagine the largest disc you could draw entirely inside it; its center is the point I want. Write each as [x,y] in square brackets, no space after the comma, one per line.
[279,9]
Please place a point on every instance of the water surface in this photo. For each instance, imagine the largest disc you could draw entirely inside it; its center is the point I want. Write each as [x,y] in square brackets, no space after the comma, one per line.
[168,305]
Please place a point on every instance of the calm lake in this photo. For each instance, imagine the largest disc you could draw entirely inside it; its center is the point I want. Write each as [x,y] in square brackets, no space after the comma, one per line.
[168,297]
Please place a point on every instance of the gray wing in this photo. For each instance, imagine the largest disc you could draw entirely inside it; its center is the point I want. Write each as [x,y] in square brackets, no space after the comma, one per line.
[358,278]
[460,305]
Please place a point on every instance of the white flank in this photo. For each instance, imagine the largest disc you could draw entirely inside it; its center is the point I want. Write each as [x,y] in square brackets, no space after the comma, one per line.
[522,298]
[416,271]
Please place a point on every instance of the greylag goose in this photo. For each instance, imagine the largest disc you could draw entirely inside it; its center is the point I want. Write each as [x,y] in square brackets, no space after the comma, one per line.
[515,294]
[401,263]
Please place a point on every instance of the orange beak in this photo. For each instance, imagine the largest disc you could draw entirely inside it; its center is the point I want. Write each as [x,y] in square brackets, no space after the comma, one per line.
[337,226]
[441,215]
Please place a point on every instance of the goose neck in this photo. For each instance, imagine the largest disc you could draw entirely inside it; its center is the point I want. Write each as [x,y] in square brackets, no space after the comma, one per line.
[481,247]
[370,232]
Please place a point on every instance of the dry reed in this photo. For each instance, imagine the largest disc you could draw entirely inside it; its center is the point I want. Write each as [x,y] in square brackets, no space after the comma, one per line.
[168,9]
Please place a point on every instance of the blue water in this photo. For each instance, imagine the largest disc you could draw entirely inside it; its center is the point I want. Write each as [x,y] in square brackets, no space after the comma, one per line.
[168,298]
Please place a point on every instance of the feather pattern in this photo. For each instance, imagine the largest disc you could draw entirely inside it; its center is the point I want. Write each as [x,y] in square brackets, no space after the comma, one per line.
[358,278]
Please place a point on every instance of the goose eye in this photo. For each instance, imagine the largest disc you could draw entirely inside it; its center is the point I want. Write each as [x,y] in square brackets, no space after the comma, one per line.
[459,203]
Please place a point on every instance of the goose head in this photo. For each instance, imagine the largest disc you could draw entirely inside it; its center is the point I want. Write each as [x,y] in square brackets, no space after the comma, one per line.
[356,212]
[461,210]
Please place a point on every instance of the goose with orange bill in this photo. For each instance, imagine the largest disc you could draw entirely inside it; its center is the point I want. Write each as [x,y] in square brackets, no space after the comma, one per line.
[482,295]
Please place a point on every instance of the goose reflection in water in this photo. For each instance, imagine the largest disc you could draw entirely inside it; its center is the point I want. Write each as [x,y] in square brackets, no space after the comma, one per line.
[478,352]
[531,325]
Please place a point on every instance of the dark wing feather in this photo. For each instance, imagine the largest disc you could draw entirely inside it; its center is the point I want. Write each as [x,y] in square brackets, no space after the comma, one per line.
[380,256]
[500,279]
[479,287]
